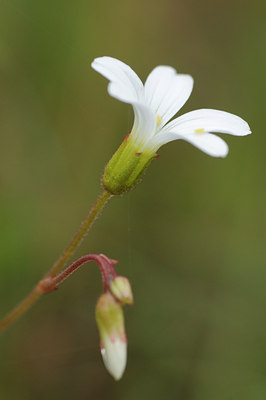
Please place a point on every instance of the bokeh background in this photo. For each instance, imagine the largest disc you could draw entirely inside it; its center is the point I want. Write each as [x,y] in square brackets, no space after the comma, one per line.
[191,237]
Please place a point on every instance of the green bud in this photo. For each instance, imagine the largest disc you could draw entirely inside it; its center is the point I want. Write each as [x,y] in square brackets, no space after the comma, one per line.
[121,289]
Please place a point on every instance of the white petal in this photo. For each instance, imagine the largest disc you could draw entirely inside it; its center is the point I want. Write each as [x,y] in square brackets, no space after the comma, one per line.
[114,355]
[210,144]
[166,91]
[124,84]
[144,125]
[207,120]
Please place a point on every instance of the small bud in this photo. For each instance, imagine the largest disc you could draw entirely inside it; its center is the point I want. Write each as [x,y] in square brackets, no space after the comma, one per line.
[121,289]
[113,342]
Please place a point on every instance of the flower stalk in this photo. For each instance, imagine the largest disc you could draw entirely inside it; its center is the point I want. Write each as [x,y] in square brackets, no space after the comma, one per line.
[105,264]
[35,294]
[81,233]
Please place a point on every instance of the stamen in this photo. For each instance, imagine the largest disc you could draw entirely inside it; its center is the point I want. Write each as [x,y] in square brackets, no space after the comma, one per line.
[199,131]
[158,119]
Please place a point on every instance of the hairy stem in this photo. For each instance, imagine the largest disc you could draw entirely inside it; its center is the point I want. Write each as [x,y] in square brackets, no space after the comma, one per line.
[75,242]
[81,233]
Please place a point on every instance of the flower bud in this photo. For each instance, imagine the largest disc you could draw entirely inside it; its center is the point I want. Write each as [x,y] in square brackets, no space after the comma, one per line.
[113,341]
[121,289]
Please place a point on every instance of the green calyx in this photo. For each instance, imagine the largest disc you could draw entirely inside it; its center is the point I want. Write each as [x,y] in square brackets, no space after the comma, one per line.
[109,316]
[126,168]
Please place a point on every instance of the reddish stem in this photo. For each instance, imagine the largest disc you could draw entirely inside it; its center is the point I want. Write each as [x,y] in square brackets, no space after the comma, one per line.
[105,264]
[110,263]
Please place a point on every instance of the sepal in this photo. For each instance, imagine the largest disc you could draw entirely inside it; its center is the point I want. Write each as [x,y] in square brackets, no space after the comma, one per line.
[126,167]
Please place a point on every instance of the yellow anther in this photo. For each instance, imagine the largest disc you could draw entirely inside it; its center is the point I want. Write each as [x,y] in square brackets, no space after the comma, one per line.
[158,119]
[201,130]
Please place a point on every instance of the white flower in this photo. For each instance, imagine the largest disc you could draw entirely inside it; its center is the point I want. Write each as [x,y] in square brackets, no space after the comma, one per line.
[158,100]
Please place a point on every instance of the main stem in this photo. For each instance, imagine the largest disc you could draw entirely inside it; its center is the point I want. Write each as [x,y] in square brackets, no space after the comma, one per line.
[75,242]
[81,233]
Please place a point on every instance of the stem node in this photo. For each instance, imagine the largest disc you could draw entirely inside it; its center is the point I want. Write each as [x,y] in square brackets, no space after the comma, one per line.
[47,285]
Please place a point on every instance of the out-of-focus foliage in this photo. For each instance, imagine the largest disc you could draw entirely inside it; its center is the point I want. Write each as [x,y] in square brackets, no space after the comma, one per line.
[191,238]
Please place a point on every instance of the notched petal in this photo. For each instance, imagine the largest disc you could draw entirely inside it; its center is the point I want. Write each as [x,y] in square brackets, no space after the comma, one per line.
[125,84]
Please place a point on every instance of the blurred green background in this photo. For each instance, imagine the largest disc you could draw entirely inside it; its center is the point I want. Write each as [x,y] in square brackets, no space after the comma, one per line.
[191,237]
